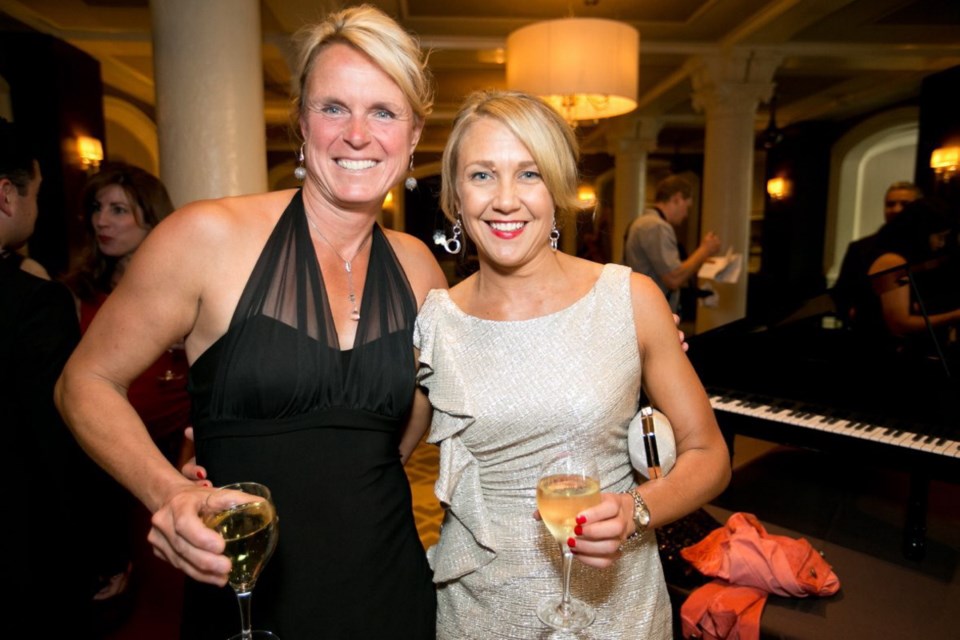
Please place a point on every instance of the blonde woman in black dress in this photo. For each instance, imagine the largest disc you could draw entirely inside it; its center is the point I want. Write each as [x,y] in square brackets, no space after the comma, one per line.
[298,310]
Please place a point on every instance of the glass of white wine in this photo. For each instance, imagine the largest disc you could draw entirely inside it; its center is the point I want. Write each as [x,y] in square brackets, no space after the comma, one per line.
[568,484]
[244,514]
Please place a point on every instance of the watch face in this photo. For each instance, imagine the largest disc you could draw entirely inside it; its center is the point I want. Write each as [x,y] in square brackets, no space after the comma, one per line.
[641,515]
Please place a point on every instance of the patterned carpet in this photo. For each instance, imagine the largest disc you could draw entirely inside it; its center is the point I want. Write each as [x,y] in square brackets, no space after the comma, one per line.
[422,472]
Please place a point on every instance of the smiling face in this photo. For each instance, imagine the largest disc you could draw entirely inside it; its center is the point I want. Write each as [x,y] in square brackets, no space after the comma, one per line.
[359,129]
[117,222]
[506,208]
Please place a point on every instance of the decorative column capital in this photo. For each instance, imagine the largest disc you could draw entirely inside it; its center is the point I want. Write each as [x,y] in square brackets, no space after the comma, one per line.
[734,82]
[634,135]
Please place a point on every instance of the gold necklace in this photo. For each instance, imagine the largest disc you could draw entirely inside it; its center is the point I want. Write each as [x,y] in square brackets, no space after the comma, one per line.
[355,314]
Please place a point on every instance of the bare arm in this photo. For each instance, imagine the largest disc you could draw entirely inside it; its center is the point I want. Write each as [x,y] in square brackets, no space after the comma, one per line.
[703,465]
[895,303]
[702,470]
[688,268]
[416,426]
[155,305]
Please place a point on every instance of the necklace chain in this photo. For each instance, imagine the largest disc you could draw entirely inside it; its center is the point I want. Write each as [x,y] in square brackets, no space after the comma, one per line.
[347,264]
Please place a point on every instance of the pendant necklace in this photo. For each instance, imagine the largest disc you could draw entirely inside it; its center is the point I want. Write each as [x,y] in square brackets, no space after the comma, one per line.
[355,314]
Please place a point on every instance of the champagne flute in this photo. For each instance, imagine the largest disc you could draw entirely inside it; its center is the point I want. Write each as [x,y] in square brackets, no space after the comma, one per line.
[244,514]
[568,484]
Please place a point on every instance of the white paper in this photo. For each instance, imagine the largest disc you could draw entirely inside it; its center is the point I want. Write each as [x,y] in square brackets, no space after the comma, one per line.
[725,268]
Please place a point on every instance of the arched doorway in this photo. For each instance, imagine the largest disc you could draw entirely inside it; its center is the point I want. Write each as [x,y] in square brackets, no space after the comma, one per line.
[864,162]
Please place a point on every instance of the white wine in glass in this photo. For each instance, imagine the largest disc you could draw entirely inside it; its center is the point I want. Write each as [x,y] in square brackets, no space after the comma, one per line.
[244,514]
[568,485]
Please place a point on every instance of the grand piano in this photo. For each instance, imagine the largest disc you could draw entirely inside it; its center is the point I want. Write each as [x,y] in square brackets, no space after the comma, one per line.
[807,382]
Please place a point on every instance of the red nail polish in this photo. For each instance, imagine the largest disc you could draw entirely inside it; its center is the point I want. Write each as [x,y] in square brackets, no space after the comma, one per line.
[578,530]
[199,475]
[581,519]
[571,542]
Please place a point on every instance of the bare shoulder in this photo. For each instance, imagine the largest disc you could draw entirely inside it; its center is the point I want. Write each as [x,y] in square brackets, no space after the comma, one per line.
[651,313]
[886,261]
[207,234]
[646,296]
[408,247]
[418,263]
[197,261]
[222,218]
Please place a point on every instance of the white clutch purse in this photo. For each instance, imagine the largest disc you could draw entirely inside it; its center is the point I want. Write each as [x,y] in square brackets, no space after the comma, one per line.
[653,449]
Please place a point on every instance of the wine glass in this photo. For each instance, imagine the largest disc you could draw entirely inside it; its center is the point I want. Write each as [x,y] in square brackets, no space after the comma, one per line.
[244,514]
[568,484]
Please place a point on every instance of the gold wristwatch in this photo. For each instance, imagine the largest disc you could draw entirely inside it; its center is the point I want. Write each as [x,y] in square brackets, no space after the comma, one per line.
[641,515]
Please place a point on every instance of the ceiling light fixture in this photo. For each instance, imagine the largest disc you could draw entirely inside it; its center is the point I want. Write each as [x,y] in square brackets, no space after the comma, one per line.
[586,68]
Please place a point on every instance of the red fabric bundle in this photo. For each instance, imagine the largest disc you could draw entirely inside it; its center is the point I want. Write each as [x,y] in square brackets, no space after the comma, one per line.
[750,564]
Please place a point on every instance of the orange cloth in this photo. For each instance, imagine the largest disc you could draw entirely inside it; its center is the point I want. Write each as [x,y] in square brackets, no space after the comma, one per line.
[722,611]
[754,563]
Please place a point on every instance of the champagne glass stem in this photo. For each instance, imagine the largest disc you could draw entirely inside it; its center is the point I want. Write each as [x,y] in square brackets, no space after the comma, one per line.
[243,599]
[567,566]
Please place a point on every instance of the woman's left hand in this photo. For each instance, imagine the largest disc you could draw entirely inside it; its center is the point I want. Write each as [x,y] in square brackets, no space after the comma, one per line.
[597,540]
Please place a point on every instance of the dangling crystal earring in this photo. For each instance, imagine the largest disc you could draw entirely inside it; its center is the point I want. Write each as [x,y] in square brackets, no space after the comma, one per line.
[300,173]
[554,235]
[410,183]
[450,245]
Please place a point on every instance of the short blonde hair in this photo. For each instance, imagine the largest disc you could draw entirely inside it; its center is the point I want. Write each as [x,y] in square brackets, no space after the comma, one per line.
[550,141]
[379,37]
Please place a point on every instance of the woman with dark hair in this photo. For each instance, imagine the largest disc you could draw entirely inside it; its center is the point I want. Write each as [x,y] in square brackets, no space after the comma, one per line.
[122,204]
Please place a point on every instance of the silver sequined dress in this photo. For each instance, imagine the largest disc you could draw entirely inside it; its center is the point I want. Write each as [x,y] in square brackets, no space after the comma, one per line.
[506,396]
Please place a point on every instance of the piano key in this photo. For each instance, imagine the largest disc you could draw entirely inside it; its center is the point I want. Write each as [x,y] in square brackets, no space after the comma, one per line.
[885,431]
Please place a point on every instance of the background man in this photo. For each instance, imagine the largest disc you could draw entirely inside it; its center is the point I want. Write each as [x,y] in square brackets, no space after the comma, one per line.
[38,331]
[650,246]
[852,283]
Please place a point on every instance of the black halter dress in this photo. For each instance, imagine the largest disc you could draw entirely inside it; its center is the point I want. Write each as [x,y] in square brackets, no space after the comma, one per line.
[276,401]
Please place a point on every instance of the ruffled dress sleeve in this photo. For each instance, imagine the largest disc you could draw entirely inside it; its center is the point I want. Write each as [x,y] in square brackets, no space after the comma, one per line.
[468,542]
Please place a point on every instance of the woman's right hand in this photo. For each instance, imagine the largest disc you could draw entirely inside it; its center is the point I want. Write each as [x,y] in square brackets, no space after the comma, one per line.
[191,469]
[179,536]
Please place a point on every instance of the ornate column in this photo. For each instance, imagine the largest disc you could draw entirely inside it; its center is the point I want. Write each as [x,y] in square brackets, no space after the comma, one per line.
[729,87]
[209,83]
[630,144]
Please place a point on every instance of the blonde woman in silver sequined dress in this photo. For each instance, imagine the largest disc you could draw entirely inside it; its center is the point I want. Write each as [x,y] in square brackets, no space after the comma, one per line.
[537,352]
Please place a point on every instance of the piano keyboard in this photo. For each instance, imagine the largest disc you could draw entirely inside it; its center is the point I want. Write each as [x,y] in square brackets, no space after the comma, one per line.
[809,417]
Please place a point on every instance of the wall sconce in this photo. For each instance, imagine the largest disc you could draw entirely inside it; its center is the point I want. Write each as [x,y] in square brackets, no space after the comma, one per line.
[586,196]
[778,188]
[90,151]
[944,162]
